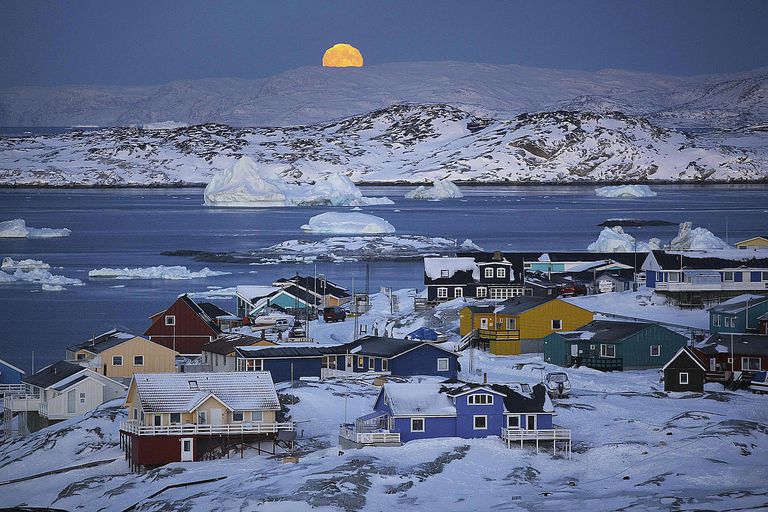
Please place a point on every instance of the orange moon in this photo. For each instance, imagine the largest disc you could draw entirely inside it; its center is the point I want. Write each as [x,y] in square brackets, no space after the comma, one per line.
[342,55]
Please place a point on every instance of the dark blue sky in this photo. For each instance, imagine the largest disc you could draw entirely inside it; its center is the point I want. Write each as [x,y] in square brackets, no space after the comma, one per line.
[148,42]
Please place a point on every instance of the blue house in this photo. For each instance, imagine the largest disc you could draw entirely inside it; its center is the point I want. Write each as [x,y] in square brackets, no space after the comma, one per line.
[368,354]
[428,410]
[738,315]
[9,374]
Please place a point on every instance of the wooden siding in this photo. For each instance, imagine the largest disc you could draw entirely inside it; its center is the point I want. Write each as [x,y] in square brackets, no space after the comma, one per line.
[157,359]
[537,323]
[188,335]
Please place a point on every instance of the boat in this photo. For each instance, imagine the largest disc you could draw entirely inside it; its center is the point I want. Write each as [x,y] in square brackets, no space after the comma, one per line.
[759,383]
[557,384]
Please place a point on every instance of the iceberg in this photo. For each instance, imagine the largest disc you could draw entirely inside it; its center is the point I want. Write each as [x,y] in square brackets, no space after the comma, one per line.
[696,239]
[40,276]
[348,223]
[11,264]
[625,191]
[158,272]
[17,228]
[440,189]
[249,185]
[616,240]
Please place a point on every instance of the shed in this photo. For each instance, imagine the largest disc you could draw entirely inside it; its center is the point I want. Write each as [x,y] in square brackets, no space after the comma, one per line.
[684,372]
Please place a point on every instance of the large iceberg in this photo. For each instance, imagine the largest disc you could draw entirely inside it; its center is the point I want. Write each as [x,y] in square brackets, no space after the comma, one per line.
[625,191]
[440,189]
[17,228]
[695,239]
[348,223]
[158,272]
[616,240]
[247,184]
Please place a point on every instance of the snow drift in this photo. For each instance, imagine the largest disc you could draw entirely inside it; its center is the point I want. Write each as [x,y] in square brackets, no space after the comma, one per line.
[625,191]
[348,223]
[696,239]
[246,184]
[158,272]
[440,189]
[17,228]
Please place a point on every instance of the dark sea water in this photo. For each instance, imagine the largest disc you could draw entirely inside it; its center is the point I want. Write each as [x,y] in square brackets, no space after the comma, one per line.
[130,228]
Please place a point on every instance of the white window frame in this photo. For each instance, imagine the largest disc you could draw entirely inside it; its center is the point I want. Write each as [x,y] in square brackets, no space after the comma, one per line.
[604,350]
[423,424]
[442,292]
[488,272]
[683,378]
[443,364]
[501,272]
[157,420]
[511,324]
[559,325]
[458,292]
[384,365]
[138,364]
[117,360]
[445,273]
[172,420]
[135,414]
[528,418]
[361,362]
[482,292]
[82,397]
[485,422]
[372,363]
[257,415]
[202,417]
[674,277]
[764,276]
[242,416]
[716,320]
[745,364]
[170,320]
[480,399]
[728,276]
[516,417]
[658,350]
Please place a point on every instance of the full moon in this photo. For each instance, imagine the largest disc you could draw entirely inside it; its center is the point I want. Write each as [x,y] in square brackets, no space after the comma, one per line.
[342,55]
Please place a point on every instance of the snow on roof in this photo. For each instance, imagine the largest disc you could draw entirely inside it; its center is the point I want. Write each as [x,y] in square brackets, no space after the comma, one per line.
[174,392]
[433,267]
[739,303]
[424,399]
[250,292]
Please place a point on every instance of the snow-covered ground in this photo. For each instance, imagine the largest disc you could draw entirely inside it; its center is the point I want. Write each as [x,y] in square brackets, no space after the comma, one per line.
[348,223]
[17,228]
[158,272]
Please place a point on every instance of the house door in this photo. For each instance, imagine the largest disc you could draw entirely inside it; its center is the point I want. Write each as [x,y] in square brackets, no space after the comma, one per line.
[712,364]
[187,452]
[71,400]
[216,414]
[530,422]
[574,350]
[350,364]
[483,323]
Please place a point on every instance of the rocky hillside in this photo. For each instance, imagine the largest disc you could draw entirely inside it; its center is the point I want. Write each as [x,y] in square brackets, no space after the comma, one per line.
[402,143]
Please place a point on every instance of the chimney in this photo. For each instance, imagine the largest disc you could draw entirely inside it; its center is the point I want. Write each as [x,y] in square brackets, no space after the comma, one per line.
[485,378]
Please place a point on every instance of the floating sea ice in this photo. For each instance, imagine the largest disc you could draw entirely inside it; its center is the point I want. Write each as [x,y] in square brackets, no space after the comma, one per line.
[11,264]
[17,228]
[625,191]
[158,272]
[361,223]
[440,189]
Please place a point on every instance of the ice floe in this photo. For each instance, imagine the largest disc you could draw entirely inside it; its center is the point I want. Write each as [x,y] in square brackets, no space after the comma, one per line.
[440,189]
[625,191]
[27,264]
[49,282]
[348,223]
[17,228]
[252,185]
[158,272]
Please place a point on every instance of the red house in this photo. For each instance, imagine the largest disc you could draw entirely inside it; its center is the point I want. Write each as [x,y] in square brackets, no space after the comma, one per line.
[186,326]
[734,352]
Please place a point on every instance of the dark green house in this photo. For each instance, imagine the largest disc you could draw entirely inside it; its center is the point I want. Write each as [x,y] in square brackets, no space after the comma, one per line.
[738,315]
[606,345]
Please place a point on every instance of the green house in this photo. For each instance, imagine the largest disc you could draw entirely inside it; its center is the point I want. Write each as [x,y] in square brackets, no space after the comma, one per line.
[606,345]
[738,315]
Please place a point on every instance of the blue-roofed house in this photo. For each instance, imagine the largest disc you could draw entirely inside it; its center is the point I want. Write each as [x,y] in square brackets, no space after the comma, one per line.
[406,412]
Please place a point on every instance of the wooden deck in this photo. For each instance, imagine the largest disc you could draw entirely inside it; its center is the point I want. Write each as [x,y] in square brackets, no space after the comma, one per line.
[132,427]
[371,438]
[555,435]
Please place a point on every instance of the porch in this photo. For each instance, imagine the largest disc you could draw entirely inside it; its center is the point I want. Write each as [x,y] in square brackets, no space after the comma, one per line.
[136,428]
[555,435]
[371,429]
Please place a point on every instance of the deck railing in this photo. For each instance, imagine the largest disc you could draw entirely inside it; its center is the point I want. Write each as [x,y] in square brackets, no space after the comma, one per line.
[12,389]
[605,364]
[349,432]
[499,334]
[133,427]
[22,402]
[551,434]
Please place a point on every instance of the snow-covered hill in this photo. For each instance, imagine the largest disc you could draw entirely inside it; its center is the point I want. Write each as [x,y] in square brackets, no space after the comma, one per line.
[315,94]
[402,143]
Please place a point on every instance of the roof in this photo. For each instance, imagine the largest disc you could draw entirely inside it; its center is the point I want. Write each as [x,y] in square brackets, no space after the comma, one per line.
[677,261]
[518,397]
[423,333]
[739,303]
[319,286]
[279,352]
[103,341]
[691,355]
[627,258]
[182,392]
[380,347]
[764,237]
[251,292]
[68,383]
[52,374]
[226,343]
[743,344]
[606,331]
[521,304]
[212,310]
[450,270]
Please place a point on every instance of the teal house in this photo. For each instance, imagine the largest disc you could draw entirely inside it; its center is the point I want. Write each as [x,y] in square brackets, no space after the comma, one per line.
[607,345]
[738,315]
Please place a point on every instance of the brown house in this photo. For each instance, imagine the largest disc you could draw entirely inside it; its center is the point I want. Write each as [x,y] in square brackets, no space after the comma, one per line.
[684,372]
[186,326]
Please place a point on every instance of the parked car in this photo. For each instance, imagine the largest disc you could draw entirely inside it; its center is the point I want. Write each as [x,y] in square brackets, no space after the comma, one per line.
[334,314]
[759,383]
[558,385]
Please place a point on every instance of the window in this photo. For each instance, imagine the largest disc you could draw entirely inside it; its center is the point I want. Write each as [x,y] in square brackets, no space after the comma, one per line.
[733,321]
[257,416]
[138,360]
[202,417]
[82,398]
[655,350]
[254,365]
[385,365]
[360,362]
[443,364]
[237,416]
[683,377]
[80,356]
[187,445]
[557,324]
[170,319]
[158,420]
[480,422]
[674,277]
[175,418]
[480,399]
[135,414]
[117,360]
[444,273]
[750,364]
[727,276]
[511,324]
[506,293]
[501,272]
[716,320]
[607,350]
[488,272]
[442,293]
[371,363]
[513,421]
[193,385]
[482,292]
[417,424]
[764,276]
[526,265]
[458,292]
[591,347]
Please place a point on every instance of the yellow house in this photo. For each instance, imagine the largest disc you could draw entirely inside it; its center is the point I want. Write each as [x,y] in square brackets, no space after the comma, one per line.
[756,242]
[118,355]
[518,325]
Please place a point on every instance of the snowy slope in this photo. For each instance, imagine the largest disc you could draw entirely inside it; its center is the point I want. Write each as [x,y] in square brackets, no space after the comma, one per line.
[403,143]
